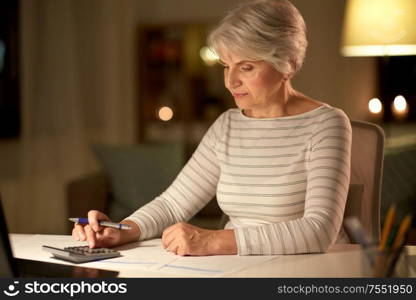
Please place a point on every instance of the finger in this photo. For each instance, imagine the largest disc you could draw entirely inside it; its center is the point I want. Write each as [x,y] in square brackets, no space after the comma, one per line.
[75,234]
[90,233]
[182,251]
[94,216]
[79,230]
[178,243]
[110,233]
[107,237]
[169,237]
[173,247]
[168,231]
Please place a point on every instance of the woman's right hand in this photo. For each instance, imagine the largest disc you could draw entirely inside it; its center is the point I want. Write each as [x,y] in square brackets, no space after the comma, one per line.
[104,237]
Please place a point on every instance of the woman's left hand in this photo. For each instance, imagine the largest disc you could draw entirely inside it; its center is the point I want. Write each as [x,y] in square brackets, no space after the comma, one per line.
[186,239]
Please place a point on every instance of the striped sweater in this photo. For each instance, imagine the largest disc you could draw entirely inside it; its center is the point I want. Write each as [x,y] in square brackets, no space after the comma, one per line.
[283,181]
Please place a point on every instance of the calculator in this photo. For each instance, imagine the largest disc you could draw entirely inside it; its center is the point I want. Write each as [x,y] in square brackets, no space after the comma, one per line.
[81,254]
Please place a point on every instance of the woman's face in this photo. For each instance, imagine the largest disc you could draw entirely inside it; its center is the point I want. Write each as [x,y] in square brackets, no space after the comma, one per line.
[255,85]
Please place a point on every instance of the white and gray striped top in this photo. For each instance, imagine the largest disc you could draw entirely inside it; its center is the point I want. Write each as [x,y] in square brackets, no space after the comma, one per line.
[282,181]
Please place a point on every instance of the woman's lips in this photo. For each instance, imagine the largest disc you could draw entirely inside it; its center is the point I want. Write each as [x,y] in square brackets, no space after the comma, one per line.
[239,95]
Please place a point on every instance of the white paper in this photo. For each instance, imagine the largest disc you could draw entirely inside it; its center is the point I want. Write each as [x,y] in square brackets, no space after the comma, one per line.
[145,255]
[213,266]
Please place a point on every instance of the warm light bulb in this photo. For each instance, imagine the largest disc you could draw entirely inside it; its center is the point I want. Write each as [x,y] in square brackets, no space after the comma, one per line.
[400,104]
[165,113]
[208,56]
[375,106]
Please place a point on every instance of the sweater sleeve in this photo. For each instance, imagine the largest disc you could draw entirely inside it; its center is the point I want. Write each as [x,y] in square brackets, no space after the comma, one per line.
[328,176]
[192,189]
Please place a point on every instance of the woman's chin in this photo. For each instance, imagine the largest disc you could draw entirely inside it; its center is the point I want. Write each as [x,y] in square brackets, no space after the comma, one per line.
[241,103]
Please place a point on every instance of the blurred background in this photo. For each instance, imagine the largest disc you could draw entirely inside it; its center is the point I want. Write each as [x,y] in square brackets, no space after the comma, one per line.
[90,88]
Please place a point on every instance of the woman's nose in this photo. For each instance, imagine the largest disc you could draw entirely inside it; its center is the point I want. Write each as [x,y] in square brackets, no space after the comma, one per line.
[232,80]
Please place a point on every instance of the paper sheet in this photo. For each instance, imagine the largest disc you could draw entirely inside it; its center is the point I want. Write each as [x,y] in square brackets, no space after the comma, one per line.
[145,254]
[213,266]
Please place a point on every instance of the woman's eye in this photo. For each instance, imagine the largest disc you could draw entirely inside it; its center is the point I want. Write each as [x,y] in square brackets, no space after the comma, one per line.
[247,68]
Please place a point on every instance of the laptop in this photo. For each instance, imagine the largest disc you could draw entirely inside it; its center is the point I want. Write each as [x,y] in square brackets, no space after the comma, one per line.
[17,267]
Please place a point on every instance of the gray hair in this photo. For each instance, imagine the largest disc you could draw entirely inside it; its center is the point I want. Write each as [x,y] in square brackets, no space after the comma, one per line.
[270,30]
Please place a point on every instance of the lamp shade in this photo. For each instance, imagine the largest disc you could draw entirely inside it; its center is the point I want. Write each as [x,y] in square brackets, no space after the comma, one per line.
[379,28]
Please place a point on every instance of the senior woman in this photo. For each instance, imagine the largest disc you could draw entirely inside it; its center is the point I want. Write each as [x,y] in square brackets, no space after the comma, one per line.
[279,163]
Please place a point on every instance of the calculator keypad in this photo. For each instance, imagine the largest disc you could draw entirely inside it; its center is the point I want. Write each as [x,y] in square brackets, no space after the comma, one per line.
[86,250]
[80,254]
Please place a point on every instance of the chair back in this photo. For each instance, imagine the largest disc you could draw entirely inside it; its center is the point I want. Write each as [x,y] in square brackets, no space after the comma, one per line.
[364,194]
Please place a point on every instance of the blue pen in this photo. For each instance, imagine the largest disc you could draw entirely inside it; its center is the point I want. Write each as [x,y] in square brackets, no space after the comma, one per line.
[102,223]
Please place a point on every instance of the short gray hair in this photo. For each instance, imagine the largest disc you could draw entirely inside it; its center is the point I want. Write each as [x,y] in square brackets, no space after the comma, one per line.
[270,30]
